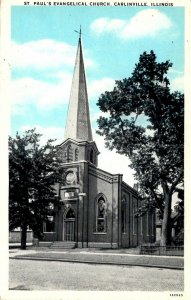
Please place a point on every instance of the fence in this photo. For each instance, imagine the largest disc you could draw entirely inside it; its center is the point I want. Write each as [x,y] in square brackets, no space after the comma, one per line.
[15,236]
[162,250]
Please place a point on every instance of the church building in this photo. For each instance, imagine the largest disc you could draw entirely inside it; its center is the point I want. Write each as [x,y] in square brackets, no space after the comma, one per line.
[96,208]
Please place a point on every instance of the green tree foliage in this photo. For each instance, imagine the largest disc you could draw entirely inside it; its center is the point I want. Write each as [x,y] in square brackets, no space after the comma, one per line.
[145,121]
[33,170]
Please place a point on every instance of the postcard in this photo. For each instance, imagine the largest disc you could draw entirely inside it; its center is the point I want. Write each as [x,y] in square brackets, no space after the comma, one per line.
[94,138]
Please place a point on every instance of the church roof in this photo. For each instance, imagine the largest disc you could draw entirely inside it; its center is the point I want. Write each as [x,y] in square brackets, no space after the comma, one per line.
[78,126]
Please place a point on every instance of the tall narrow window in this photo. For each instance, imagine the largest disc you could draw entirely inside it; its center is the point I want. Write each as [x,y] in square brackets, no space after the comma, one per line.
[147,223]
[44,226]
[123,215]
[65,155]
[153,223]
[95,160]
[92,156]
[141,225]
[69,153]
[48,226]
[76,154]
[101,215]
[134,216]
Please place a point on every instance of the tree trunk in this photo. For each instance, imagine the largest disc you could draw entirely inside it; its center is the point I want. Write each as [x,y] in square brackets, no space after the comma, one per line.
[23,234]
[166,222]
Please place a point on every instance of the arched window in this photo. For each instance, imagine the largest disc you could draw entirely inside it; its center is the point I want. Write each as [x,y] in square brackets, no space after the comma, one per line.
[76,154]
[88,154]
[101,215]
[141,225]
[92,156]
[135,218]
[70,214]
[123,215]
[65,156]
[147,216]
[69,153]
[153,223]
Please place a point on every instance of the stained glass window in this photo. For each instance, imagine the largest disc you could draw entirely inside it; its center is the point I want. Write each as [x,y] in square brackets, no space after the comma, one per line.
[101,215]
[123,215]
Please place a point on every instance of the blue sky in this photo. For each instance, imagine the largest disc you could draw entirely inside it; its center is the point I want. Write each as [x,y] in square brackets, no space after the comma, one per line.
[43,55]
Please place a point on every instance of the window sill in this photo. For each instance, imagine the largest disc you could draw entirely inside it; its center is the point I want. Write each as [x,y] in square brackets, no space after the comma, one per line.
[100,233]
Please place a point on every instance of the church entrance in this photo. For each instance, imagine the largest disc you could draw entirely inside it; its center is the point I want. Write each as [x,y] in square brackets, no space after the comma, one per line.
[69,225]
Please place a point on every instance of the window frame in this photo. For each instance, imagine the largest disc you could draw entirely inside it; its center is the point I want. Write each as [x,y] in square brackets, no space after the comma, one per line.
[124,214]
[91,156]
[76,154]
[98,198]
[135,219]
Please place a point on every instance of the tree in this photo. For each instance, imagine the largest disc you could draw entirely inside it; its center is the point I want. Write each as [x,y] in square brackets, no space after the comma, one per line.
[145,121]
[33,170]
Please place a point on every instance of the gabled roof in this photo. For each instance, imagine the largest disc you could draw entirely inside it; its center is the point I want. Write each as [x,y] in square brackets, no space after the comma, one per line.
[80,143]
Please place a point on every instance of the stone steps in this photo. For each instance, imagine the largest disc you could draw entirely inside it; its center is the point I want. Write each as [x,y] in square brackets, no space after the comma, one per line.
[63,245]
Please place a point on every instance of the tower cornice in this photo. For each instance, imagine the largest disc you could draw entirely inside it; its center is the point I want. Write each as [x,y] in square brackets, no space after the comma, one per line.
[80,143]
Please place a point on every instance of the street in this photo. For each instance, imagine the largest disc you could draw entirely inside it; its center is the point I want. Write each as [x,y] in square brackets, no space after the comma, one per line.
[51,275]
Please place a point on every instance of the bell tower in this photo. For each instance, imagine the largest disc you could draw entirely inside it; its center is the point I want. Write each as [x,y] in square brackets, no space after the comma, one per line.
[78,144]
[77,154]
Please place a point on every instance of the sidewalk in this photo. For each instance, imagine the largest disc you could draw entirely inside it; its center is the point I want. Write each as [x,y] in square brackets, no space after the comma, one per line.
[17,245]
[97,256]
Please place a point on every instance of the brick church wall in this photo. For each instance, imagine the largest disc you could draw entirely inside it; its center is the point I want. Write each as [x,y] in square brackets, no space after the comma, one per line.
[100,183]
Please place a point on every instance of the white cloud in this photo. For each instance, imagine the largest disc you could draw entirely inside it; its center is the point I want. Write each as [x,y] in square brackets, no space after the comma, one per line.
[45,54]
[96,87]
[113,162]
[177,84]
[102,25]
[42,94]
[47,95]
[145,23]
[174,71]
[51,132]
[48,57]
[53,89]
[95,115]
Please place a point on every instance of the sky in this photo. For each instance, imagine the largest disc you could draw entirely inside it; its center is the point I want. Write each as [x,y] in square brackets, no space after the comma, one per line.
[44,44]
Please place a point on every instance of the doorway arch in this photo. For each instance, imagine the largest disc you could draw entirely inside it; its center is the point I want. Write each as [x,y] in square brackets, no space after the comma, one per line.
[69,221]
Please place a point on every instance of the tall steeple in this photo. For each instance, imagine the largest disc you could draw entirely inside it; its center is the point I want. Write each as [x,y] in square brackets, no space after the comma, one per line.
[78,125]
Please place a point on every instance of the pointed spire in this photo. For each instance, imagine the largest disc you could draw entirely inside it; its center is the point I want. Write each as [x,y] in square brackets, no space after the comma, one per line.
[78,125]
[80,33]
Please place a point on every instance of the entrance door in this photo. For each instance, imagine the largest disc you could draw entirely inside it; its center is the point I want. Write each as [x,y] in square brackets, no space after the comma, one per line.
[69,226]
